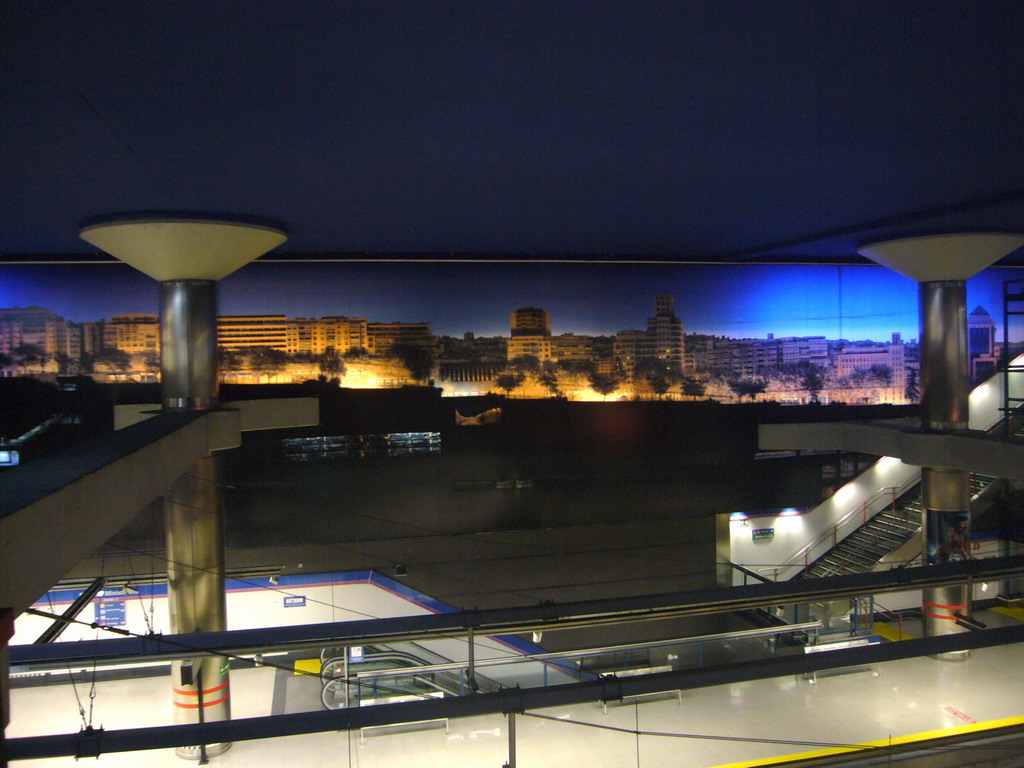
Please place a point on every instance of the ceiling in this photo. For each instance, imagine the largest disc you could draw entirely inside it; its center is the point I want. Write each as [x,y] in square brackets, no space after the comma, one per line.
[683,129]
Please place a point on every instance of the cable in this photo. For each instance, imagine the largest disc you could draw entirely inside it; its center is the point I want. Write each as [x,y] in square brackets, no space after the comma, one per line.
[202,651]
[78,699]
[704,736]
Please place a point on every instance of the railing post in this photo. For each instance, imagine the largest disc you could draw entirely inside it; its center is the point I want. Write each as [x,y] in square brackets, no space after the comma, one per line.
[471,672]
[511,740]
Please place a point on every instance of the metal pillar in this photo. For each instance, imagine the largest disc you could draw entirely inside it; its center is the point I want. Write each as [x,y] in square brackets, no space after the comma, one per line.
[945,493]
[193,512]
[195,576]
[188,344]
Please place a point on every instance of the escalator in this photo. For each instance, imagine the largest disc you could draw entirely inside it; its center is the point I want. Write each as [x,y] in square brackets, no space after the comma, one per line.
[390,674]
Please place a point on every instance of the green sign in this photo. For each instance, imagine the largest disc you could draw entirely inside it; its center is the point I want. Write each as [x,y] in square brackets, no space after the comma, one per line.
[763,534]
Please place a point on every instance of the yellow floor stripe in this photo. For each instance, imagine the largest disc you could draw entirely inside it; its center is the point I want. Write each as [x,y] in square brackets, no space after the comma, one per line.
[924,736]
[307,666]
[891,631]
[1013,613]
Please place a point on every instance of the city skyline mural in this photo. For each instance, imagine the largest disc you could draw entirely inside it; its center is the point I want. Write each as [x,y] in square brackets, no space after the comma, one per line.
[580,330]
[596,298]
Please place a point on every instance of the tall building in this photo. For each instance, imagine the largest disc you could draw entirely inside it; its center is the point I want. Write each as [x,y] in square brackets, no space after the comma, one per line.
[531,334]
[663,340]
[981,343]
[132,333]
[315,335]
[240,331]
[665,332]
[531,321]
[92,336]
[38,327]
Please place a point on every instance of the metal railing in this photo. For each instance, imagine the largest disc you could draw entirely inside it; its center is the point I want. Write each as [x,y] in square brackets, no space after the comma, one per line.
[376,682]
[846,525]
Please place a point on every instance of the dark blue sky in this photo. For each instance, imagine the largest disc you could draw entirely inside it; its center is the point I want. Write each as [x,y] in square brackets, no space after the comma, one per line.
[742,300]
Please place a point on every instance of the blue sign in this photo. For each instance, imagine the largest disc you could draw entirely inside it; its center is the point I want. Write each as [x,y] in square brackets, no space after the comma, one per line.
[111,613]
[294,601]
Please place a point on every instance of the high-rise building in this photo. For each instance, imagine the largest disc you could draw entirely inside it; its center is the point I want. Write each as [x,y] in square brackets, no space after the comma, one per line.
[981,343]
[92,336]
[240,331]
[40,328]
[531,321]
[665,332]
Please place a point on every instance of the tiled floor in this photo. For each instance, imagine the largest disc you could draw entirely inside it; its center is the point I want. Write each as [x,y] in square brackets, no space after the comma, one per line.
[719,723]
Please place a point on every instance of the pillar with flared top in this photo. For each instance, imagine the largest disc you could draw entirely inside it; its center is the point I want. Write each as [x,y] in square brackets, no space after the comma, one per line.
[941,264]
[188,254]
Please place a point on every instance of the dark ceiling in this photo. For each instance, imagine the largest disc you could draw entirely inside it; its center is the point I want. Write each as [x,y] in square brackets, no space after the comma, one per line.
[690,129]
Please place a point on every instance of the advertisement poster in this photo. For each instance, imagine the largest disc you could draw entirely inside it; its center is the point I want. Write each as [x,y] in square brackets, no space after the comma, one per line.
[949,537]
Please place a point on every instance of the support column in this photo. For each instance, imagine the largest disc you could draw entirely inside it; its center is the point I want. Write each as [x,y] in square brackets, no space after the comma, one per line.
[188,344]
[945,493]
[188,254]
[941,265]
[195,576]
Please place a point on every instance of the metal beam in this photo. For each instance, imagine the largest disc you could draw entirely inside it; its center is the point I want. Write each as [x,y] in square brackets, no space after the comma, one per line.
[546,616]
[95,742]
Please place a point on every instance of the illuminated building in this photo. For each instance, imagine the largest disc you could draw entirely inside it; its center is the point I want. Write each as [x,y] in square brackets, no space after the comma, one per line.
[867,358]
[665,333]
[315,335]
[40,328]
[533,346]
[571,347]
[240,331]
[132,333]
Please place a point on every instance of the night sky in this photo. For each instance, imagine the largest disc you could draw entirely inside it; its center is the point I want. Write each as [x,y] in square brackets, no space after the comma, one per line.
[743,300]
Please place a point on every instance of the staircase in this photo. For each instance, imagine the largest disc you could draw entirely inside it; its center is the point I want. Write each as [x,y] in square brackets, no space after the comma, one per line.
[886,531]
[861,550]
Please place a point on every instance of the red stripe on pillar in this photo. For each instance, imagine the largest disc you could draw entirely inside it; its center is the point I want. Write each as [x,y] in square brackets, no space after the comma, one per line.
[205,690]
[945,607]
[205,703]
[937,616]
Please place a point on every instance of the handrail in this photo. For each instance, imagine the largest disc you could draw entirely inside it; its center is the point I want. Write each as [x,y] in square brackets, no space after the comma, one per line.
[810,626]
[985,408]
[802,556]
[747,572]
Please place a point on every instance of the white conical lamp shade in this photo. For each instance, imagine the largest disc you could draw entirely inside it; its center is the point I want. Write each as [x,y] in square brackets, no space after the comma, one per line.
[943,257]
[183,249]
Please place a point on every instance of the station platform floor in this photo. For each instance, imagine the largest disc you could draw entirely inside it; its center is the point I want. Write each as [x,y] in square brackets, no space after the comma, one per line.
[732,725]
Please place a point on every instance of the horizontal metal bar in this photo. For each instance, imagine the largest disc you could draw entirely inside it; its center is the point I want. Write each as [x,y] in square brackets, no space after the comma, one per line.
[543,617]
[504,701]
[739,634]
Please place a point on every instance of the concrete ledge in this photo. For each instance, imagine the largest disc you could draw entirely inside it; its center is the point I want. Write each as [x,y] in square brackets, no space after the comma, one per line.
[276,413]
[59,509]
[973,450]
